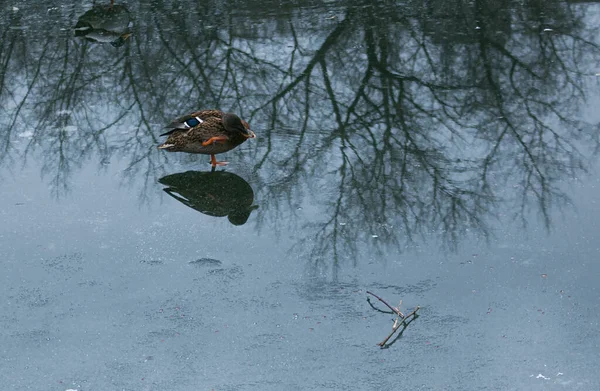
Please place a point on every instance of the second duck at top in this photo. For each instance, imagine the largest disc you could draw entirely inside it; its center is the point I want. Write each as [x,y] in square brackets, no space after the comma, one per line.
[207,132]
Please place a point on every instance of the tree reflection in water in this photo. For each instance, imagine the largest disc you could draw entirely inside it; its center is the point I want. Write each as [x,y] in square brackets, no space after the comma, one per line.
[398,120]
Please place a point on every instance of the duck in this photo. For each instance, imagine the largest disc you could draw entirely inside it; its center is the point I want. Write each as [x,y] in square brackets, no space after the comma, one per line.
[105,24]
[208,132]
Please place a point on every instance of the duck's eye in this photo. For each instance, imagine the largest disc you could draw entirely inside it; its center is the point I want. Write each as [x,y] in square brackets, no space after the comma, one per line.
[193,122]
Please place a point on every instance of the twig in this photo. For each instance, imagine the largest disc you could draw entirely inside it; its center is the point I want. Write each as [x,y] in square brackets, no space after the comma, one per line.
[400,321]
[397,326]
[396,310]
[378,309]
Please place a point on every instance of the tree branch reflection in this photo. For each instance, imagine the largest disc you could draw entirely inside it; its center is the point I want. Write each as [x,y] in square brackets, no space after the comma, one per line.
[391,121]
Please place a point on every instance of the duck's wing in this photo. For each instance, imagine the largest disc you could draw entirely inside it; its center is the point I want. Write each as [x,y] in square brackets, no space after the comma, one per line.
[205,130]
[210,128]
[170,132]
[193,119]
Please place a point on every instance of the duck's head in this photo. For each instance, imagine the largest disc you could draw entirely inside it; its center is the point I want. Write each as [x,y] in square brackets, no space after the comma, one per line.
[233,123]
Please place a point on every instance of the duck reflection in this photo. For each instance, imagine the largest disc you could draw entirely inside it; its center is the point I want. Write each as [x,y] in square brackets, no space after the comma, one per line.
[214,193]
[105,24]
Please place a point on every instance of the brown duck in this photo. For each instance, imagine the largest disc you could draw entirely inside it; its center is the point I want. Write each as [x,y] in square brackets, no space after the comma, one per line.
[207,132]
[103,24]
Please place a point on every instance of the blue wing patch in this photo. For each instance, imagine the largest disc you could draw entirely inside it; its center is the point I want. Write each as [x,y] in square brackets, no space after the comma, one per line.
[193,122]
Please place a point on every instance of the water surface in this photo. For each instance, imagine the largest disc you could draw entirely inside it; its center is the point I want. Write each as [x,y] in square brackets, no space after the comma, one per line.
[445,156]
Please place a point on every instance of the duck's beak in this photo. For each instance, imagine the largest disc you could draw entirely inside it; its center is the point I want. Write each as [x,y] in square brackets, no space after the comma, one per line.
[249,134]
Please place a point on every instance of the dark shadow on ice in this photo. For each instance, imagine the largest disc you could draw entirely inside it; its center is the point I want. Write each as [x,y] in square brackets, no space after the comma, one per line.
[216,193]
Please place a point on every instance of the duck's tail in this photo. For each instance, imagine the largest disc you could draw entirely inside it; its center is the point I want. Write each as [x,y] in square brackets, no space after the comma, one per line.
[167,146]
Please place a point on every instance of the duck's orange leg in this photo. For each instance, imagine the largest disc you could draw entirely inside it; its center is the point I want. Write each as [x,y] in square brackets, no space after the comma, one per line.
[217,139]
[214,162]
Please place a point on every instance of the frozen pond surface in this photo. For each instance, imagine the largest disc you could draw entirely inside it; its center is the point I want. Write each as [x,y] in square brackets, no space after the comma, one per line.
[445,157]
